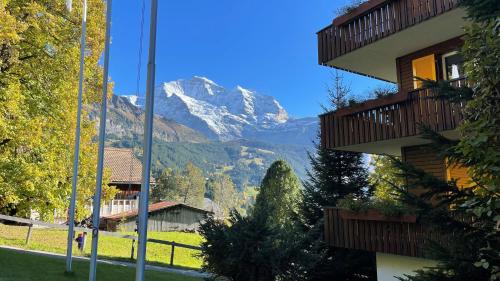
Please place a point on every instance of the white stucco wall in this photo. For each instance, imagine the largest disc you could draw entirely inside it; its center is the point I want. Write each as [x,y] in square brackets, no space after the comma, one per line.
[389,266]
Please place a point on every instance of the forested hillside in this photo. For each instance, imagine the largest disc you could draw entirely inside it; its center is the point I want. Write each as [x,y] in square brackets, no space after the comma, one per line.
[175,145]
[244,161]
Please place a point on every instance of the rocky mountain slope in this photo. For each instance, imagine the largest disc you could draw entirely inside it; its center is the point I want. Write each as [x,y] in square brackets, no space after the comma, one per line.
[237,132]
[225,115]
[126,121]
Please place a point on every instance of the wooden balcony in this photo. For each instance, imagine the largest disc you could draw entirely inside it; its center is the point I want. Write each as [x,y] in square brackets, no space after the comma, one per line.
[371,231]
[389,118]
[374,20]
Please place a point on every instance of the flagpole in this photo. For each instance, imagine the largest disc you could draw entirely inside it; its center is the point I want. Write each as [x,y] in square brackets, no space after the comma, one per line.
[148,139]
[69,250]
[100,157]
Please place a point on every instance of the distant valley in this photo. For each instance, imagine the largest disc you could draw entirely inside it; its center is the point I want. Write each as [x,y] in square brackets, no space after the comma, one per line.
[237,132]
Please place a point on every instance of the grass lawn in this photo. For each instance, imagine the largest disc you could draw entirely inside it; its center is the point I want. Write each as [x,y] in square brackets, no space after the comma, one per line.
[24,266]
[53,240]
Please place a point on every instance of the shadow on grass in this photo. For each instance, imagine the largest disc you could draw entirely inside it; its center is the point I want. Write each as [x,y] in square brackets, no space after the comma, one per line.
[153,263]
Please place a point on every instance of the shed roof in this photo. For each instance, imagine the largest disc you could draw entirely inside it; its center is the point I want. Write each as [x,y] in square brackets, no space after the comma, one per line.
[153,208]
[124,165]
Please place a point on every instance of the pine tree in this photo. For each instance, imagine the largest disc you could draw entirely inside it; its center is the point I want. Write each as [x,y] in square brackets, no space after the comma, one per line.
[334,175]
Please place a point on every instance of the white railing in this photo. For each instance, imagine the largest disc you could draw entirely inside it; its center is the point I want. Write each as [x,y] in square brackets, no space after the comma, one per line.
[117,206]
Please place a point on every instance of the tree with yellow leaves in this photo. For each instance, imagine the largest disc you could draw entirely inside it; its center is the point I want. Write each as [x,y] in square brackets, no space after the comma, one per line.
[39,54]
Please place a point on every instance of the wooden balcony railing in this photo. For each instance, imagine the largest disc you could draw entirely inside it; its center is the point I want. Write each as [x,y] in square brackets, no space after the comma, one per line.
[374,20]
[388,118]
[371,231]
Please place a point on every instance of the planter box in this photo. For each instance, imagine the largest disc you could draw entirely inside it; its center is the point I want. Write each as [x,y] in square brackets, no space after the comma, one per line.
[375,215]
[372,231]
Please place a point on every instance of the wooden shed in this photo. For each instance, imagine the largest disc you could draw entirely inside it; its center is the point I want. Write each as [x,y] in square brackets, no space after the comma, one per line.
[163,216]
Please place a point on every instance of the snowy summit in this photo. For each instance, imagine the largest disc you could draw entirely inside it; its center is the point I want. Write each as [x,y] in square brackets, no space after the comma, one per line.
[215,111]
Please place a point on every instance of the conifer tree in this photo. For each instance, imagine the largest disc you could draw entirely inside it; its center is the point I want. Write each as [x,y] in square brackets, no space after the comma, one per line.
[279,195]
[335,174]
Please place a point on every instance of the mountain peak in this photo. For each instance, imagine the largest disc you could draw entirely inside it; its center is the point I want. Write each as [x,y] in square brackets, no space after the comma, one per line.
[203,80]
[241,89]
[217,112]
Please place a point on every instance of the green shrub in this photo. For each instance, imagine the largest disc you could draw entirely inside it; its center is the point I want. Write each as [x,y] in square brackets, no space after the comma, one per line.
[388,208]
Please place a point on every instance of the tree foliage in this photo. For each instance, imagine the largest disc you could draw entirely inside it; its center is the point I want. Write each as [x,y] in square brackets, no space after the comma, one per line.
[334,175]
[223,192]
[279,195]
[39,58]
[185,186]
[167,186]
[384,177]
[264,246]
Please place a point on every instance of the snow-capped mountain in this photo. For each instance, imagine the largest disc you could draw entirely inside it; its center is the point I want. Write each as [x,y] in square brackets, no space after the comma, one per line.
[224,115]
[134,100]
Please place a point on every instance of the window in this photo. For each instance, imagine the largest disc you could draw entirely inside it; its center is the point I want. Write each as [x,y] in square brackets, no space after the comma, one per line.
[453,66]
[423,68]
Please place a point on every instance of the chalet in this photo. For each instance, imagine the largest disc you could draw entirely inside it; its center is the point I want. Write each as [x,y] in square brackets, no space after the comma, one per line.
[126,175]
[162,216]
[393,41]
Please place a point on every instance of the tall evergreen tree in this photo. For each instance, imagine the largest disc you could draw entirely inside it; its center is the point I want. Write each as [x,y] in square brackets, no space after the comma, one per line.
[335,174]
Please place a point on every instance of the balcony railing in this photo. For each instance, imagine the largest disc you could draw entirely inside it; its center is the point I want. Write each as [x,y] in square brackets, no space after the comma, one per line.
[374,20]
[392,117]
[371,231]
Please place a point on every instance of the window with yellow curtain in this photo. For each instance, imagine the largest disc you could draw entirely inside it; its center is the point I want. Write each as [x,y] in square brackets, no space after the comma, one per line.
[458,173]
[423,68]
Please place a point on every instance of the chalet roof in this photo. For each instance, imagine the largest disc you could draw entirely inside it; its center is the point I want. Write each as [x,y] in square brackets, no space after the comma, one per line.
[124,165]
[153,208]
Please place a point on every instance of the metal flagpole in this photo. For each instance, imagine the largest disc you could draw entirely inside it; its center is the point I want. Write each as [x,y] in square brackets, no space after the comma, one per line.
[100,157]
[69,250]
[148,139]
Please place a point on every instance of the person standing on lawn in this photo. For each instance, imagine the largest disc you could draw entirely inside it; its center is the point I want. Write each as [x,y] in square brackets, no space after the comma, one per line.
[80,240]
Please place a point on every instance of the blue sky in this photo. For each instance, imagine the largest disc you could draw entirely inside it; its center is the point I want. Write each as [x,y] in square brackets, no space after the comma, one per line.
[265,45]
